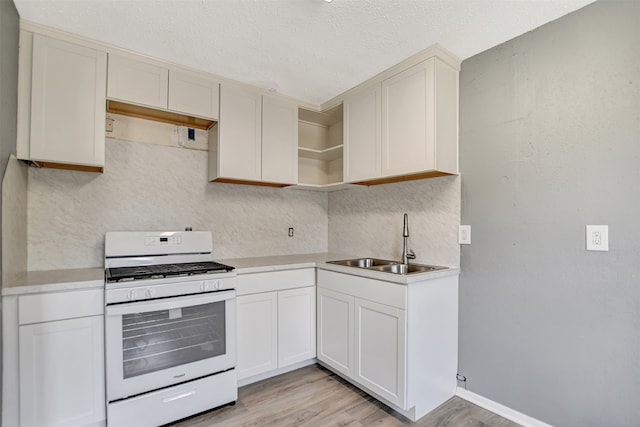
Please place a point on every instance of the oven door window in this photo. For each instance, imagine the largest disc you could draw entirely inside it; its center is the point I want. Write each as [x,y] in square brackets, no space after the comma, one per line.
[157,340]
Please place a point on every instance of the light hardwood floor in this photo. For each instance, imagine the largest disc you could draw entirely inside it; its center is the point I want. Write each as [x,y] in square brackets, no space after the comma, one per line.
[315,397]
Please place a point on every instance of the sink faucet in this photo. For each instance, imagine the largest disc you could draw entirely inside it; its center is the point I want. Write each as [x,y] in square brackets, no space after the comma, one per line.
[407,253]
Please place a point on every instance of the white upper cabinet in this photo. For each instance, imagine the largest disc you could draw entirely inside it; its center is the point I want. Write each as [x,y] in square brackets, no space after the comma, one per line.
[255,140]
[62,97]
[146,83]
[240,134]
[138,82]
[279,141]
[362,132]
[420,120]
[193,94]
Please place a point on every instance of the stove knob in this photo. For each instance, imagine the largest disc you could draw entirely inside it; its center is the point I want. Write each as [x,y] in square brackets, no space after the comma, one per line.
[149,293]
[204,287]
[130,295]
[216,284]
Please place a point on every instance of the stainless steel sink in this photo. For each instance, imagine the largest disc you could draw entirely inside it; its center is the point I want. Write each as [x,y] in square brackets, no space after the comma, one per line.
[408,268]
[387,266]
[363,262]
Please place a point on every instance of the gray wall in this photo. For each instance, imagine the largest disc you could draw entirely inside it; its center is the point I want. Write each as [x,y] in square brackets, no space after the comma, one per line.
[550,142]
[9,31]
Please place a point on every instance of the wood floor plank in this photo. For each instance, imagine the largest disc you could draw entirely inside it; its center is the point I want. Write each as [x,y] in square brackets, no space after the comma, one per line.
[315,397]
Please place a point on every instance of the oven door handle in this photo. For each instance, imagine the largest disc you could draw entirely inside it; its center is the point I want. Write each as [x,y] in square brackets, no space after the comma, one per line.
[168,303]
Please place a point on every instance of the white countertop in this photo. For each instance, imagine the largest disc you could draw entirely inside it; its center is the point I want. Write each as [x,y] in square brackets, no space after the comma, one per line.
[54,280]
[318,260]
[87,278]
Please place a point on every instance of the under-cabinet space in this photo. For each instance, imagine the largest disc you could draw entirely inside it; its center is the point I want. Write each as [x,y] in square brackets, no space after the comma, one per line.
[320,147]
[145,88]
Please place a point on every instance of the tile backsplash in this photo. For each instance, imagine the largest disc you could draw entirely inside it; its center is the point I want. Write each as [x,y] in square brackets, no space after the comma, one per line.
[153,187]
[368,221]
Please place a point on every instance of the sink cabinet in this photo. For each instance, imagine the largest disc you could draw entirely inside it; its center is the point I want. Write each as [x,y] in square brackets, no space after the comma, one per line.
[396,341]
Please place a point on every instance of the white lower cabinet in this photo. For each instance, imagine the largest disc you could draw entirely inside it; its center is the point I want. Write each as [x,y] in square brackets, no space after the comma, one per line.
[257,333]
[380,349]
[53,359]
[296,325]
[364,340]
[276,322]
[335,330]
[396,341]
[62,372]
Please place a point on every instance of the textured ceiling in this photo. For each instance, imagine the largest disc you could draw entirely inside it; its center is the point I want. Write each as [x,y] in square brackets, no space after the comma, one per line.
[308,49]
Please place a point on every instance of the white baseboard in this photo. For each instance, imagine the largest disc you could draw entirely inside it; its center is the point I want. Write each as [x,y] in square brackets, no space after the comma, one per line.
[503,411]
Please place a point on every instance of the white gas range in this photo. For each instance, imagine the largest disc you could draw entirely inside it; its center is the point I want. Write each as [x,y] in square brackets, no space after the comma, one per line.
[170,327]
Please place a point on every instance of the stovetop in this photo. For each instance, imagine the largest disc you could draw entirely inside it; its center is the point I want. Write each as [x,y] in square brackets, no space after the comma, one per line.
[161,271]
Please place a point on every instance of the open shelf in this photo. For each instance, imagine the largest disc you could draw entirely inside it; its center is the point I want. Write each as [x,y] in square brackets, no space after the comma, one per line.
[320,150]
[328,154]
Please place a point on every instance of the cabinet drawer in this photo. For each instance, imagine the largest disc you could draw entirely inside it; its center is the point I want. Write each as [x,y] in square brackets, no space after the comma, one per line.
[387,293]
[59,306]
[275,281]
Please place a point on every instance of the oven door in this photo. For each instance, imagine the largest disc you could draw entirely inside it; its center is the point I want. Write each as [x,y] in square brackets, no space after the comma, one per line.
[158,343]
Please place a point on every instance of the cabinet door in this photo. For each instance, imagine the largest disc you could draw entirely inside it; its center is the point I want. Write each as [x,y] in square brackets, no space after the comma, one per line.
[335,330]
[62,373]
[257,334]
[279,141]
[193,95]
[67,103]
[239,134]
[408,121]
[137,82]
[380,349]
[362,132]
[296,325]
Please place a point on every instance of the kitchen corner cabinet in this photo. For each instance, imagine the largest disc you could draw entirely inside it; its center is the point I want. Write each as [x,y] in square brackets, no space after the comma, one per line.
[255,141]
[276,323]
[57,349]
[395,341]
[180,96]
[320,147]
[61,115]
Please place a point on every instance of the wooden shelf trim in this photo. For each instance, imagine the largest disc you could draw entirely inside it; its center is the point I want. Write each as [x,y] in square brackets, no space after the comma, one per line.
[139,112]
[402,178]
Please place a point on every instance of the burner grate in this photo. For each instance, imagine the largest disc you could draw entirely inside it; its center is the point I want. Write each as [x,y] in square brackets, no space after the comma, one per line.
[122,274]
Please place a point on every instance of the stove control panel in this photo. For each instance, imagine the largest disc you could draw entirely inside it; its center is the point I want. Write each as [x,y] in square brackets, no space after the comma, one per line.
[163,240]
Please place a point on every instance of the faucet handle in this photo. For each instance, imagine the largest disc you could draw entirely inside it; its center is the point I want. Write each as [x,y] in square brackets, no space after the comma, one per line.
[411,254]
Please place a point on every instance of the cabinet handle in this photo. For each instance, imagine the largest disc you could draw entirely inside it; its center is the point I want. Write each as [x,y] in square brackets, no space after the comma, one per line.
[178,396]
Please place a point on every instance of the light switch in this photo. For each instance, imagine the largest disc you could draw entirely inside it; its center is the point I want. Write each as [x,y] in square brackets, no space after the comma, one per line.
[597,237]
[464,235]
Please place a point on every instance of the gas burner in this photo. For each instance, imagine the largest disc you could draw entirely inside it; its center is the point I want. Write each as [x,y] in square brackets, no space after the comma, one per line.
[161,271]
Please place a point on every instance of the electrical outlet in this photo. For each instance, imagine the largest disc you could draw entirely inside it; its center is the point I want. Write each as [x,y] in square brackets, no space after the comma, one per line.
[597,237]
[290,231]
[464,235]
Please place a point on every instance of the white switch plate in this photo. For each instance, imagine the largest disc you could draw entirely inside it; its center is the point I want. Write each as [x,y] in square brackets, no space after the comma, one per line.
[597,237]
[464,235]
